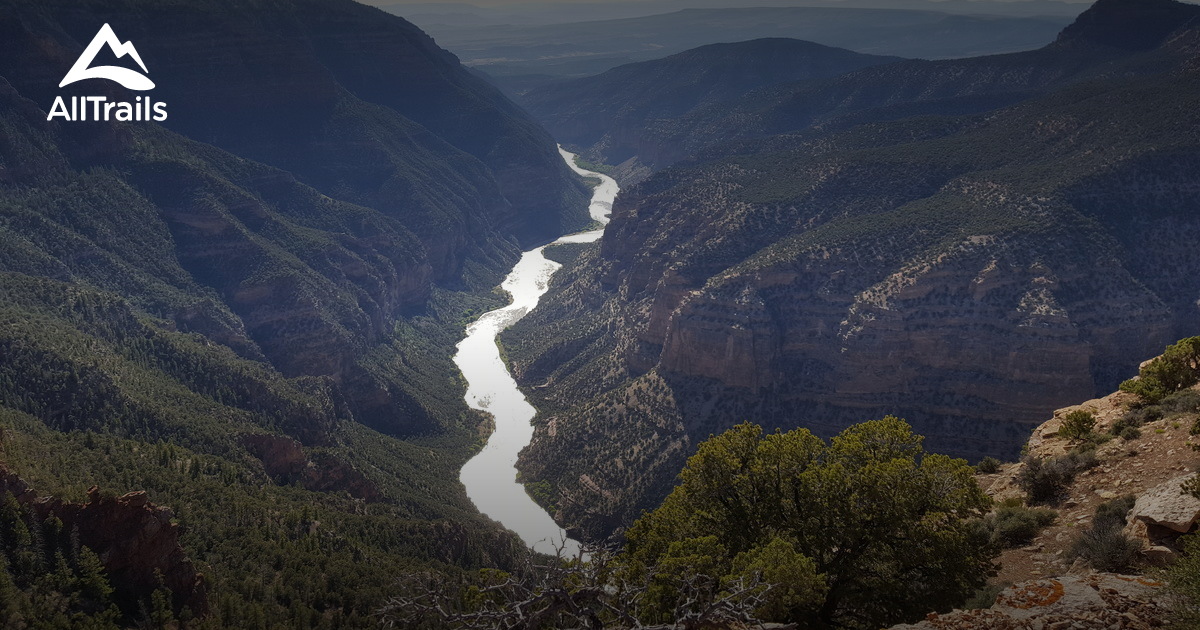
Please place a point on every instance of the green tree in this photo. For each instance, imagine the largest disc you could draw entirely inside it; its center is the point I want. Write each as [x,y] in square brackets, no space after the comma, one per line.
[791,584]
[93,584]
[1078,424]
[1177,368]
[881,531]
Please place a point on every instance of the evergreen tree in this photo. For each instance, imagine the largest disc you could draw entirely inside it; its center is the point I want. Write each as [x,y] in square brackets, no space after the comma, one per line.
[866,531]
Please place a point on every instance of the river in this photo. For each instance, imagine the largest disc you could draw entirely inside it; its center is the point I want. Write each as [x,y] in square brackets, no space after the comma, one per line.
[491,476]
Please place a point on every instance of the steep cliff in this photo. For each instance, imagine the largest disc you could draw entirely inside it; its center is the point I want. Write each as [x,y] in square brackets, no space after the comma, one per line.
[967,273]
[1130,461]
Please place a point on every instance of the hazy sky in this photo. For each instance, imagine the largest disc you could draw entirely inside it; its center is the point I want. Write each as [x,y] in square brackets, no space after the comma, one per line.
[497,3]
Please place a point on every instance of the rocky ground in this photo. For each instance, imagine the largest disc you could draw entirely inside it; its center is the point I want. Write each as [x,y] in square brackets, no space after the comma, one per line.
[1075,601]
[1046,587]
[1151,465]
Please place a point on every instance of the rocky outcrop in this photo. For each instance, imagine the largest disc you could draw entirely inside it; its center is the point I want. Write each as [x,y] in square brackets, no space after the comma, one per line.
[1086,601]
[135,539]
[285,461]
[1150,467]
[1164,513]
[1054,590]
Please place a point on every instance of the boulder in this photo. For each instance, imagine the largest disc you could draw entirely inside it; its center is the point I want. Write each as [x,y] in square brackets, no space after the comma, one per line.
[1163,513]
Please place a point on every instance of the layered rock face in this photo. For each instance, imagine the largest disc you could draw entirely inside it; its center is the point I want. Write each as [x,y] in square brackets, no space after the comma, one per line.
[968,273]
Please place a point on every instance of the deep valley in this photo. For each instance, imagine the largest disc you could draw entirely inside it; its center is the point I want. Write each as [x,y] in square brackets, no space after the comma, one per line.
[893,319]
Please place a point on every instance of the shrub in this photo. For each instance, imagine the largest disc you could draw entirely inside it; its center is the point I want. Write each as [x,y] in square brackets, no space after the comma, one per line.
[1142,415]
[1078,424]
[1046,480]
[1104,545]
[1115,511]
[986,596]
[1092,440]
[1014,526]
[1130,433]
[988,465]
[1191,486]
[892,531]
[1127,426]
[1186,401]
[1183,582]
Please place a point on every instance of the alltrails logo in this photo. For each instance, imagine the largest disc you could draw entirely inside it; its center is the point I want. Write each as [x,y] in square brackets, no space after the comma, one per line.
[99,107]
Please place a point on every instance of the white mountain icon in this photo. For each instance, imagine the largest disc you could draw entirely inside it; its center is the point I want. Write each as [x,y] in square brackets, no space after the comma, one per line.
[131,79]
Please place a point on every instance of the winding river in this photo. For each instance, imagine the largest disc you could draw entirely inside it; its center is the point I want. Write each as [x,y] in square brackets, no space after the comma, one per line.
[491,477]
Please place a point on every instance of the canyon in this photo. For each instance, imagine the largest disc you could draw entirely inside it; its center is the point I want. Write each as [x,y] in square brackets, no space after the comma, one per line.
[301,310]
[966,270]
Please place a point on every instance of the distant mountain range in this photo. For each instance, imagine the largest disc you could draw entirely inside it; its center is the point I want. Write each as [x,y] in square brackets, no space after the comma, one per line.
[433,16]
[967,244]
[578,113]
[613,116]
[521,57]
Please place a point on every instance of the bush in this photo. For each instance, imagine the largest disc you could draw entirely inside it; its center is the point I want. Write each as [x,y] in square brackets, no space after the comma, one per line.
[1104,545]
[1046,480]
[1127,426]
[1130,433]
[892,531]
[1183,582]
[1078,425]
[1014,526]
[986,596]
[1186,401]
[1191,486]
[1142,415]
[988,466]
